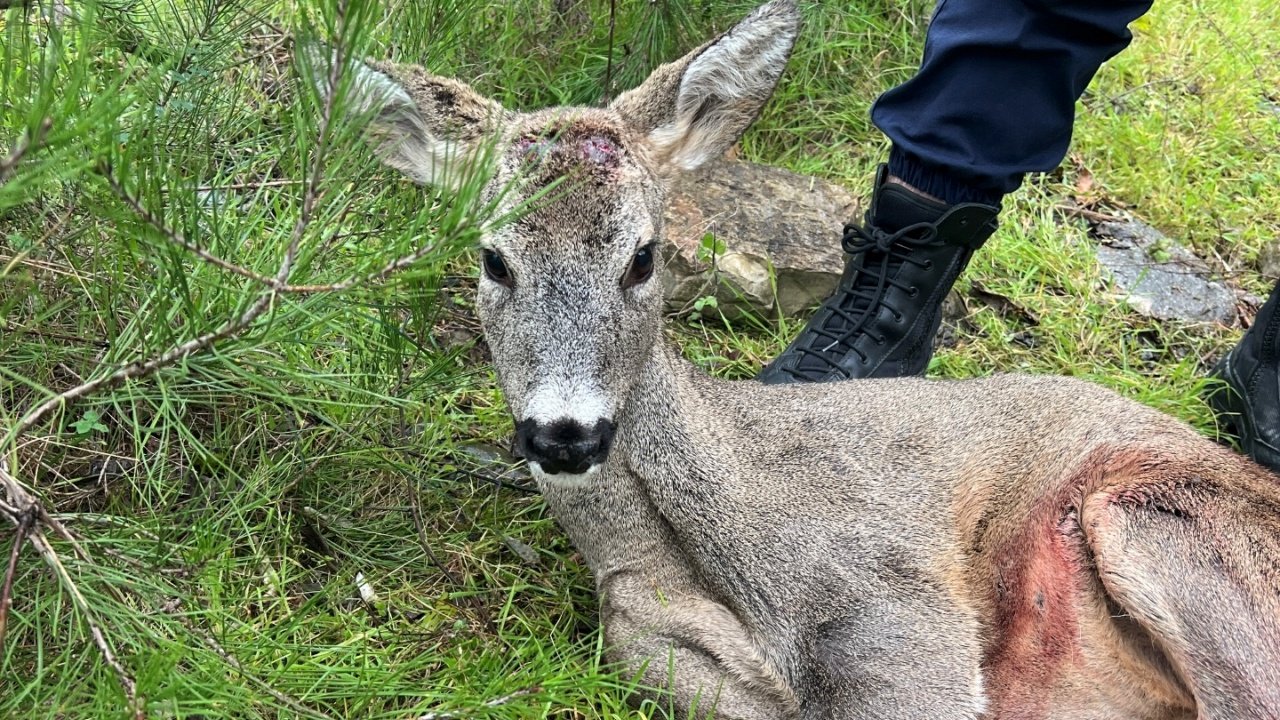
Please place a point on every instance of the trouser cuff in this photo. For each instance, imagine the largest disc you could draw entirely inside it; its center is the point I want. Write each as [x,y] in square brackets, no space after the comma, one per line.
[938,181]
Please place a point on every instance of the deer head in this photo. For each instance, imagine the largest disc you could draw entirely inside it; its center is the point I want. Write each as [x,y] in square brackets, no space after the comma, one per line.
[569,296]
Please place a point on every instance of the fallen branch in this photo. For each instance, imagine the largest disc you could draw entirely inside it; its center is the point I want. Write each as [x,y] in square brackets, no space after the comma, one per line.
[1090,215]
[99,637]
[24,522]
[28,511]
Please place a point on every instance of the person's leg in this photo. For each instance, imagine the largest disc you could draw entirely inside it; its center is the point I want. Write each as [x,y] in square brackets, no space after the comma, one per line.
[994,98]
[1250,401]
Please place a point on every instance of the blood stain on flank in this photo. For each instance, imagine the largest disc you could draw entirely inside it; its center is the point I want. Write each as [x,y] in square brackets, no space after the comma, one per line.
[1037,572]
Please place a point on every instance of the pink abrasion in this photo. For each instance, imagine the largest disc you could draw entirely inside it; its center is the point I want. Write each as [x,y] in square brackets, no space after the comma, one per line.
[596,150]
[600,151]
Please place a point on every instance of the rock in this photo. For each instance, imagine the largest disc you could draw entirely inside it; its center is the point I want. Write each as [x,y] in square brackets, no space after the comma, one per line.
[954,308]
[522,550]
[498,464]
[1160,278]
[954,312]
[757,217]
[1269,260]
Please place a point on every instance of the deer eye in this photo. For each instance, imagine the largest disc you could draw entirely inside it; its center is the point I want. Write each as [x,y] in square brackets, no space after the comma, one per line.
[641,267]
[496,269]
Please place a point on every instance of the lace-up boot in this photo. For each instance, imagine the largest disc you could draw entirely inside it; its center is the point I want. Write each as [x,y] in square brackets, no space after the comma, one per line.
[884,314]
[1249,402]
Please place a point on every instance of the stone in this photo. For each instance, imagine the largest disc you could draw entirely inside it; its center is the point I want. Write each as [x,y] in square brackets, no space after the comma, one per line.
[1160,278]
[1269,260]
[760,239]
[499,464]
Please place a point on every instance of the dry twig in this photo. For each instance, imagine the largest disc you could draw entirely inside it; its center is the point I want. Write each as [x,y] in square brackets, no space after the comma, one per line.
[608,68]
[1090,215]
[415,507]
[9,326]
[24,522]
[248,185]
[22,507]
[234,663]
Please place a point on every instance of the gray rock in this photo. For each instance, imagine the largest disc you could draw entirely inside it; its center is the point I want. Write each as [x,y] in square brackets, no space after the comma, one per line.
[522,550]
[1160,278]
[1269,260]
[759,218]
[495,462]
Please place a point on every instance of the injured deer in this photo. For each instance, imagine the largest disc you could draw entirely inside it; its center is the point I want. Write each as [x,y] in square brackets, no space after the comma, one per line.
[1007,547]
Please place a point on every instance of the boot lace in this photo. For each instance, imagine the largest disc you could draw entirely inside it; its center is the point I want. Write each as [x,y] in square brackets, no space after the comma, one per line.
[857,303]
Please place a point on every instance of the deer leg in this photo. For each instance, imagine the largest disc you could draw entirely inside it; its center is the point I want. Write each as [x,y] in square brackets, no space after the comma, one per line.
[697,656]
[1191,551]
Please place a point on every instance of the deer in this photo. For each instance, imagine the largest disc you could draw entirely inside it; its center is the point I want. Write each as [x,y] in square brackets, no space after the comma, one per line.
[1012,547]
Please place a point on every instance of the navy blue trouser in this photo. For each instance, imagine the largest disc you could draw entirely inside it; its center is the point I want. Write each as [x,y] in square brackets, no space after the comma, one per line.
[995,94]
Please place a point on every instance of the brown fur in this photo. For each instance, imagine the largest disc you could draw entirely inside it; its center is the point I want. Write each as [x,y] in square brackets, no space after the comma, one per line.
[1012,547]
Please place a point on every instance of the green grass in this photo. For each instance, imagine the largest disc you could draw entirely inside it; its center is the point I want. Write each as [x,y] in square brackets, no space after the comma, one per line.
[225,505]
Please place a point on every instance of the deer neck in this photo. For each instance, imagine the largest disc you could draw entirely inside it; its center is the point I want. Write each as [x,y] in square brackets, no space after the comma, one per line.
[675,447]
[668,440]
[619,519]
[654,423]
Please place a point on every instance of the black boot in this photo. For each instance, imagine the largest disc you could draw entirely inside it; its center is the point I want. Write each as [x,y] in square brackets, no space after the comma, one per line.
[882,319]
[1250,400]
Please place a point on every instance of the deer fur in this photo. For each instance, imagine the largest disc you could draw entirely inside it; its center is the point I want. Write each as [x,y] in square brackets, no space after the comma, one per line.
[1010,547]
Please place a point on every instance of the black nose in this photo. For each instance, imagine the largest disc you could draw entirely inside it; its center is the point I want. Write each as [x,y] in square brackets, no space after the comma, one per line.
[564,446]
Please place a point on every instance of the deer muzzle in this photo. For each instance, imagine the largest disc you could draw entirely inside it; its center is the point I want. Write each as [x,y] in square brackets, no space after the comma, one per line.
[564,445]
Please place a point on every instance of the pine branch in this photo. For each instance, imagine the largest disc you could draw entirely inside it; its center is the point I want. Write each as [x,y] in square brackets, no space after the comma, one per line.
[175,237]
[143,368]
[20,505]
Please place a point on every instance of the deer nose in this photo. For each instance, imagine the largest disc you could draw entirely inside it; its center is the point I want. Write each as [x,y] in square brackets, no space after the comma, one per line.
[565,445]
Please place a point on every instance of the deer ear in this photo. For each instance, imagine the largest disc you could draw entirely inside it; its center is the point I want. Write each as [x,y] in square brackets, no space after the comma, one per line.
[696,107]
[426,126]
